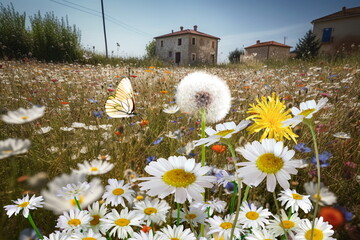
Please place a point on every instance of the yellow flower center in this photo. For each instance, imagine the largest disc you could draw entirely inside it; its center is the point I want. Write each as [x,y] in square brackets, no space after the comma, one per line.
[317,197]
[150,210]
[6,151]
[103,157]
[226,225]
[252,215]
[307,112]
[89,238]
[24,117]
[288,224]
[24,204]
[179,178]
[139,197]
[80,200]
[74,222]
[318,234]
[190,216]
[95,221]
[268,163]
[225,132]
[93,169]
[122,222]
[296,196]
[118,191]
[174,239]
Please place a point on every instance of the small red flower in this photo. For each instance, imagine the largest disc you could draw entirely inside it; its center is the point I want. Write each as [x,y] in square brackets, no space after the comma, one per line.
[145,229]
[54,80]
[144,123]
[332,215]
[218,148]
[111,90]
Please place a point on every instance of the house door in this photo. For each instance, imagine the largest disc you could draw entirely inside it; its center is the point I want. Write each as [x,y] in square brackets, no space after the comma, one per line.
[177,58]
[212,58]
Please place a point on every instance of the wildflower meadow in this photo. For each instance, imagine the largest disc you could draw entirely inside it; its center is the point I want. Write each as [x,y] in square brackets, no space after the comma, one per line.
[249,151]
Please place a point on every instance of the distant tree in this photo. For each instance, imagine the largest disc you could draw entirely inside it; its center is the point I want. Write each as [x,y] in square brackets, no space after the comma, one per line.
[150,49]
[234,56]
[308,46]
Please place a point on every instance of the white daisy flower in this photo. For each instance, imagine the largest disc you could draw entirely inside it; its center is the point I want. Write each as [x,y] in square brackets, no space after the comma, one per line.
[342,135]
[146,236]
[78,125]
[67,129]
[105,126]
[223,130]
[95,167]
[57,235]
[322,230]
[267,159]
[153,211]
[12,146]
[326,196]
[116,191]
[25,205]
[72,190]
[222,227]
[121,225]
[74,220]
[171,109]
[106,157]
[59,204]
[22,115]
[254,217]
[306,111]
[202,91]
[294,200]
[210,206]
[176,232]
[260,235]
[90,235]
[44,130]
[290,224]
[178,175]
[96,212]
[194,215]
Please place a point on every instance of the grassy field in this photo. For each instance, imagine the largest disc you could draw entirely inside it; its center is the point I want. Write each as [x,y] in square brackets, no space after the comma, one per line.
[77,93]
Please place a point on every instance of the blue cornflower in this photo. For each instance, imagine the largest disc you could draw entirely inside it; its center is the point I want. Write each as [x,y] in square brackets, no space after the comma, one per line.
[149,159]
[93,100]
[323,157]
[98,114]
[301,147]
[159,140]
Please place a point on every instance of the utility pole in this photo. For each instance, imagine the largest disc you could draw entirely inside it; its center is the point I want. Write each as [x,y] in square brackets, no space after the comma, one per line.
[103,17]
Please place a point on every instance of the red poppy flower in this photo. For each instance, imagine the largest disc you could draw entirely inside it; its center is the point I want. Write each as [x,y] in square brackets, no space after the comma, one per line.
[145,229]
[218,148]
[144,123]
[54,80]
[64,103]
[332,215]
[163,91]
[111,90]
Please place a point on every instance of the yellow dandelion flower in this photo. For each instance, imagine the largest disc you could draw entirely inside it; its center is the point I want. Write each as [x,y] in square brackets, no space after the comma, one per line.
[268,114]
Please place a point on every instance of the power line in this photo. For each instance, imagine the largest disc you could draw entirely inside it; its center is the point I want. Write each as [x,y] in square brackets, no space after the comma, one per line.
[98,14]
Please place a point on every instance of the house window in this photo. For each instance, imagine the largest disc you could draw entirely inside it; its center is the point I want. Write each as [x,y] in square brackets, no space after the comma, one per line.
[193,41]
[193,57]
[161,43]
[179,42]
[213,44]
[326,37]
[170,54]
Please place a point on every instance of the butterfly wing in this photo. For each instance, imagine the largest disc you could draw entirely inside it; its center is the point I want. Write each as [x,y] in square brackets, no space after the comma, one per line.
[122,104]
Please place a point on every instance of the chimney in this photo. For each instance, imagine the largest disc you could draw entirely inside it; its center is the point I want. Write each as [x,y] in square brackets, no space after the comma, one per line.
[344,10]
[195,27]
[181,28]
[257,41]
[172,31]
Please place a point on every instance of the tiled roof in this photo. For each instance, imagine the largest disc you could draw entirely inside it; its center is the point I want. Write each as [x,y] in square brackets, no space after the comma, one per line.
[345,12]
[270,43]
[187,31]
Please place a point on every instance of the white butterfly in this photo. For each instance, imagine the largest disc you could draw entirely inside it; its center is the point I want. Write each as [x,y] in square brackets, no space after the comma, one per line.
[122,104]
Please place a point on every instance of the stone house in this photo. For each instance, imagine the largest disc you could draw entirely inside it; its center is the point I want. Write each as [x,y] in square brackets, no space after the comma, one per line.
[267,50]
[187,47]
[339,31]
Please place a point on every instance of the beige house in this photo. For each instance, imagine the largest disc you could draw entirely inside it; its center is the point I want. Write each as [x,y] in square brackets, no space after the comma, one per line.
[187,47]
[267,50]
[338,31]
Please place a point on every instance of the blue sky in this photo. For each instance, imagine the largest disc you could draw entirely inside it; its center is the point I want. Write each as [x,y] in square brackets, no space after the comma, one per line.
[134,23]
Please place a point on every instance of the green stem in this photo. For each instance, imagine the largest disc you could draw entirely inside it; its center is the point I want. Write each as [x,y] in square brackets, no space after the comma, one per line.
[178,215]
[246,193]
[232,203]
[231,149]
[203,126]
[108,236]
[311,126]
[77,203]
[279,213]
[34,226]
